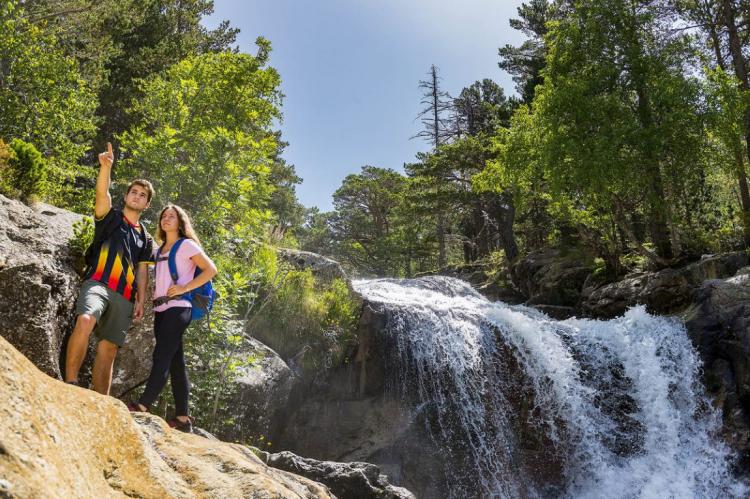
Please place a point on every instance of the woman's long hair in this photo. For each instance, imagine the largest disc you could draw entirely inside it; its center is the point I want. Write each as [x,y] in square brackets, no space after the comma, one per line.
[185,228]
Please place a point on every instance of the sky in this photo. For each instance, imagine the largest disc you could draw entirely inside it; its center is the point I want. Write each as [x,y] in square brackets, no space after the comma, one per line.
[350,72]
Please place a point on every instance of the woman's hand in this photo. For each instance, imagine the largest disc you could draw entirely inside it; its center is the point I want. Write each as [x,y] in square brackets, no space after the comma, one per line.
[176,290]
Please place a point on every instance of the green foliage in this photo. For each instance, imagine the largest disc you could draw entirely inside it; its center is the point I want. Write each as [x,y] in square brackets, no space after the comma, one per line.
[140,38]
[28,170]
[364,224]
[6,172]
[204,139]
[620,118]
[308,321]
[44,99]
[482,108]
[83,235]
[527,61]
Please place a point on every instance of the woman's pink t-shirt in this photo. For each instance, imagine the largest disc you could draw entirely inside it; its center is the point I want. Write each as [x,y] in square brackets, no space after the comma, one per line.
[185,272]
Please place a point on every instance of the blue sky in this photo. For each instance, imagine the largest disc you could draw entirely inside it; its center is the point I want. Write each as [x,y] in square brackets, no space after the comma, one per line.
[350,72]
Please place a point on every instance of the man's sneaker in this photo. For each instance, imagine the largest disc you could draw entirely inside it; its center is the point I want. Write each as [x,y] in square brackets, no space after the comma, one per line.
[134,407]
[184,426]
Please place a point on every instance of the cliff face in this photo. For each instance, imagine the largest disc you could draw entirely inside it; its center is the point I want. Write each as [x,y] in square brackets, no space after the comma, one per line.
[38,285]
[62,441]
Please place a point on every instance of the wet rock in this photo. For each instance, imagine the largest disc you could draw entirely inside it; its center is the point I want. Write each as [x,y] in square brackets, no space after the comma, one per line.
[719,325]
[134,359]
[258,394]
[346,480]
[351,415]
[552,277]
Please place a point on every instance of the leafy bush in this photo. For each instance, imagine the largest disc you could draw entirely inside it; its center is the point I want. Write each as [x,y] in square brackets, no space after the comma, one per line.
[6,173]
[309,321]
[83,235]
[28,170]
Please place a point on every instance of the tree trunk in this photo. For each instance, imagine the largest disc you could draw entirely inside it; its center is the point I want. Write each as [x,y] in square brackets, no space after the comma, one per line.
[622,223]
[658,226]
[506,216]
[740,70]
[441,240]
[744,196]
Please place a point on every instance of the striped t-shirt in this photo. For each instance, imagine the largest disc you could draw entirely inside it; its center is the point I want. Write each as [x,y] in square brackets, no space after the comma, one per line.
[120,253]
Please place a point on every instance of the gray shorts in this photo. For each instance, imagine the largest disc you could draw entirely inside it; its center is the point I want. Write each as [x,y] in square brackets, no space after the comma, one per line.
[112,311]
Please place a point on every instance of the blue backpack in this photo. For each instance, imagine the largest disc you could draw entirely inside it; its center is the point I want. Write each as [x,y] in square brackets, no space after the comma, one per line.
[202,298]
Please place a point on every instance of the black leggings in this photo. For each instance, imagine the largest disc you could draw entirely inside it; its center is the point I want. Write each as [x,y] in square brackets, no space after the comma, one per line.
[169,360]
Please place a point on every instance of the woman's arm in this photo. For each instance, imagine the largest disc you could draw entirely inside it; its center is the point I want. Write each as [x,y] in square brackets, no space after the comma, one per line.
[208,271]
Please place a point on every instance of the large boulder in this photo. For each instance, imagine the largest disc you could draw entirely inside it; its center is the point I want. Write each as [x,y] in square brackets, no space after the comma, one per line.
[552,277]
[346,480]
[38,284]
[58,440]
[493,285]
[322,267]
[258,393]
[665,292]
[719,325]
[351,415]
[134,359]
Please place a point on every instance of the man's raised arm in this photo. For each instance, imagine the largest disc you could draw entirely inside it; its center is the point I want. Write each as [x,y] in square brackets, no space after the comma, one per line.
[103,199]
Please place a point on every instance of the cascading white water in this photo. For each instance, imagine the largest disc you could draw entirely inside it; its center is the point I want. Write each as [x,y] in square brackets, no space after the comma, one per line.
[619,402]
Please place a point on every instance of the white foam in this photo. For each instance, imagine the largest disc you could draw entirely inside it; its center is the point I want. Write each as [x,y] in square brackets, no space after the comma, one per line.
[440,325]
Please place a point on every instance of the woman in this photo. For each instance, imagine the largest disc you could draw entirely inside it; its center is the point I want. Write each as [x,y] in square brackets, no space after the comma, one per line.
[171,313]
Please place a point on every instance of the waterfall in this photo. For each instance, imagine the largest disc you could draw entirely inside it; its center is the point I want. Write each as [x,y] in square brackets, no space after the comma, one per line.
[521,405]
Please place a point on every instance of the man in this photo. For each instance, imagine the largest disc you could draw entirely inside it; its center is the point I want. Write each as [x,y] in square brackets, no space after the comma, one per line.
[115,283]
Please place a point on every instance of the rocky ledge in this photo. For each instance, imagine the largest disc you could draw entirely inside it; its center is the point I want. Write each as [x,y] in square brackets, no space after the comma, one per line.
[58,440]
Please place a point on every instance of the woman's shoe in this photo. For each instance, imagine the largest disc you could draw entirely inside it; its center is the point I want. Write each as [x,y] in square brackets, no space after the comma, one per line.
[136,407]
[183,426]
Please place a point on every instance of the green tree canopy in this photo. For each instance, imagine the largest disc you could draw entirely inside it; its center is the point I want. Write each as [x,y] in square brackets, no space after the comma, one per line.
[44,100]
[205,139]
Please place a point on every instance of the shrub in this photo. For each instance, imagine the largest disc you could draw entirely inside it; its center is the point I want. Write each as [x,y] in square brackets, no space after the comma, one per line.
[28,170]
[6,172]
[83,234]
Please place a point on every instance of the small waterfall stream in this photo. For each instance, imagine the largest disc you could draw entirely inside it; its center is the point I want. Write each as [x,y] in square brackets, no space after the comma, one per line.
[521,405]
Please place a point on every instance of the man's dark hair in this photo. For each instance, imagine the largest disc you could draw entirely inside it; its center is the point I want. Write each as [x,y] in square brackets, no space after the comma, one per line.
[143,183]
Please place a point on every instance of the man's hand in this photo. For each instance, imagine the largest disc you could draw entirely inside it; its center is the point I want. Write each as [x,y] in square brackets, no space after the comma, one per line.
[103,200]
[107,158]
[138,311]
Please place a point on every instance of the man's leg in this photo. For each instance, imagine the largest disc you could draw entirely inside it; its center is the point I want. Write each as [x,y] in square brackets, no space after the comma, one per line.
[77,345]
[105,359]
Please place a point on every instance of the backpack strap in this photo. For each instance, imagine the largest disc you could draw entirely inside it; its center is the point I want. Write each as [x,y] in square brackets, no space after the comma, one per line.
[172,258]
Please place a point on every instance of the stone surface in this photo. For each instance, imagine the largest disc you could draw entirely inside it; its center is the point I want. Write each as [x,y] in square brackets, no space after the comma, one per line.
[719,325]
[346,480]
[38,290]
[351,415]
[495,288]
[258,394]
[62,441]
[551,277]
[134,359]
[321,266]
[38,285]
[664,292]
[359,414]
